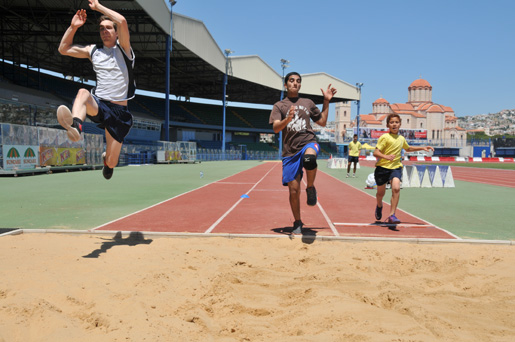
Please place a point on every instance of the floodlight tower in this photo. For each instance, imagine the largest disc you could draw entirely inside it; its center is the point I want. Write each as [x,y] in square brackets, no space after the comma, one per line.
[167,72]
[227,53]
[358,85]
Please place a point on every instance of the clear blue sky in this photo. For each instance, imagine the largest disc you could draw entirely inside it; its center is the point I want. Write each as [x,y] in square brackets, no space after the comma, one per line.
[464,49]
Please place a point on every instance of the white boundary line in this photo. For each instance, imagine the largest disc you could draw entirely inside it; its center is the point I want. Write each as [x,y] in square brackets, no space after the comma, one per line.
[166,200]
[327,219]
[262,236]
[382,224]
[213,226]
[451,234]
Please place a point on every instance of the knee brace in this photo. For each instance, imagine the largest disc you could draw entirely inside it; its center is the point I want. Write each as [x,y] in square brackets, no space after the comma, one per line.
[310,161]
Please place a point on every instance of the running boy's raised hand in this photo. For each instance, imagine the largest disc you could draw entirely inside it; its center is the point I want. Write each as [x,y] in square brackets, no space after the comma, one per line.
[328,93]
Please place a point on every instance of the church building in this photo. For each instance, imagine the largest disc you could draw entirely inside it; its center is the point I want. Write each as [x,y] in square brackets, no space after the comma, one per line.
[420,116]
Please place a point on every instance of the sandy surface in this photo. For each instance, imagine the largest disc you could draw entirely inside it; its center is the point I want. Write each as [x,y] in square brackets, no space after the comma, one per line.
[56,287]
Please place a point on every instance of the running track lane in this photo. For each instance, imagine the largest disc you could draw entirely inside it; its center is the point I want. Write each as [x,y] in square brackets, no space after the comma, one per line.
[498,177]
[219,208]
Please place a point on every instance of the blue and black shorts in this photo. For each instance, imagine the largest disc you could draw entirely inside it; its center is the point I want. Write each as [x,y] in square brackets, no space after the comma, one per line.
[292,166]
[115,118]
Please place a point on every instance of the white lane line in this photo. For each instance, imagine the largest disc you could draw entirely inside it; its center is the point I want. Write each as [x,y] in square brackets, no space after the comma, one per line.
[164,201]
[434,225]
[213,226]
[327,219]
[382,224]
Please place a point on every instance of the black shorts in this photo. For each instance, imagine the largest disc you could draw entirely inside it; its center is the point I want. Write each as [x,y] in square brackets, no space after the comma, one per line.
[353,159]
[383,175]
[115,118]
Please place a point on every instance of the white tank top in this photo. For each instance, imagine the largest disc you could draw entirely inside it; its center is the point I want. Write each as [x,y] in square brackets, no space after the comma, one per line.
[114,72]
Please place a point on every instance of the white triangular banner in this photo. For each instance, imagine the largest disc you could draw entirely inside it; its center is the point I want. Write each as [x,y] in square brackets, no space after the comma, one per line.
[449,179]
[426,181]
[437,180]
[405,178]
[414,179]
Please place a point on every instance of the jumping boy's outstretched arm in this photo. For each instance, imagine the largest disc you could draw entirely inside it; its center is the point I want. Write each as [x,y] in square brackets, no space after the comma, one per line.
[66,47]
[119,20]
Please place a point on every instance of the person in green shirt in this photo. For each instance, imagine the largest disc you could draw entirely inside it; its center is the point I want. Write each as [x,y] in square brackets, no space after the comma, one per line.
[389,166]
[354,150]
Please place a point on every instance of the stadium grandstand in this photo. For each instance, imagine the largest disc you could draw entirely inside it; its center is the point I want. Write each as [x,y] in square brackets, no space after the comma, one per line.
[35,80]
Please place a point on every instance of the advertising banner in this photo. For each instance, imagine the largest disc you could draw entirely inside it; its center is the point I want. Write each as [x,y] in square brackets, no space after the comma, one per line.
[375,133]
[52,156]
[20,157]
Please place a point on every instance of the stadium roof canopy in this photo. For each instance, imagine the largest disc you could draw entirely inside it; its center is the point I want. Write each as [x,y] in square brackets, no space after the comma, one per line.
[31,31]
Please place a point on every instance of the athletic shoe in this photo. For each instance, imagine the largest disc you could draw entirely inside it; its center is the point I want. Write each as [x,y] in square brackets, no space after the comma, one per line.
[106,170]
[347,176]
[297,227]
[393,219]
[312,195]
[379,213]
[353,175]
[68,122]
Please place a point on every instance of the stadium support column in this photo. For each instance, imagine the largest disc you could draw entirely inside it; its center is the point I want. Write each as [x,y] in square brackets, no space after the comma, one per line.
[227,53]
[359,85]
[284,65]
[167,73]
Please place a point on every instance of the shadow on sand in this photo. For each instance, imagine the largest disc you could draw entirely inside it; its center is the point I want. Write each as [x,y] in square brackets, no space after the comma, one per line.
[134,238]
[309,235]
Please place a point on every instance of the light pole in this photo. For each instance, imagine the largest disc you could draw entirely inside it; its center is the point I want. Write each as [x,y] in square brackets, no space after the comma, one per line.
[227,53]
[284,64]
[167,72]
[359,85]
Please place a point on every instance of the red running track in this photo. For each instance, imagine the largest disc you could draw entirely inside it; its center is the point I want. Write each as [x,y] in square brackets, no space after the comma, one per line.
[222,207]
[484,176]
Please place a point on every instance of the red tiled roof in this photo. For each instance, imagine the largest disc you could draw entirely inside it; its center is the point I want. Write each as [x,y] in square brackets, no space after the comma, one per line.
[402,106]
[420,83]
[367,117]
[435,108]
[380,100]
[424,106]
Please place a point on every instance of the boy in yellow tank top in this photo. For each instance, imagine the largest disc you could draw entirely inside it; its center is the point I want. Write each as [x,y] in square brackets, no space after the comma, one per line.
[389,166]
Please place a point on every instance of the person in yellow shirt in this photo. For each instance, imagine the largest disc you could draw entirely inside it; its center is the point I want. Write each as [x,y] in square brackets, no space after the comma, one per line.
[389,166]
[354,150]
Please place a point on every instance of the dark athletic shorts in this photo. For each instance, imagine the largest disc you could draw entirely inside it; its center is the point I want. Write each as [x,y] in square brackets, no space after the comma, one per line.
[383,175]
[353,159]
[113,117]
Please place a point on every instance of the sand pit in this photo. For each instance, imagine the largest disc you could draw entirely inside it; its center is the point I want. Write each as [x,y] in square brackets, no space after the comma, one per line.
[57,287]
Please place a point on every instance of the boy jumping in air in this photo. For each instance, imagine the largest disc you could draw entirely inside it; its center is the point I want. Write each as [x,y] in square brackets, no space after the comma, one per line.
[389,166]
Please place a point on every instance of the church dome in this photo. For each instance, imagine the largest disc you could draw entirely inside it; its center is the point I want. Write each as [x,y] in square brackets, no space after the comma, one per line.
[420,83]
[380,101]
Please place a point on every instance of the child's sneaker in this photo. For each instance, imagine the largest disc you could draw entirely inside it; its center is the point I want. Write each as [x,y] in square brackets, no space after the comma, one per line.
[393,219]
[297,227]
[312,195]
[379,213]
[106,170]
[67,121]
